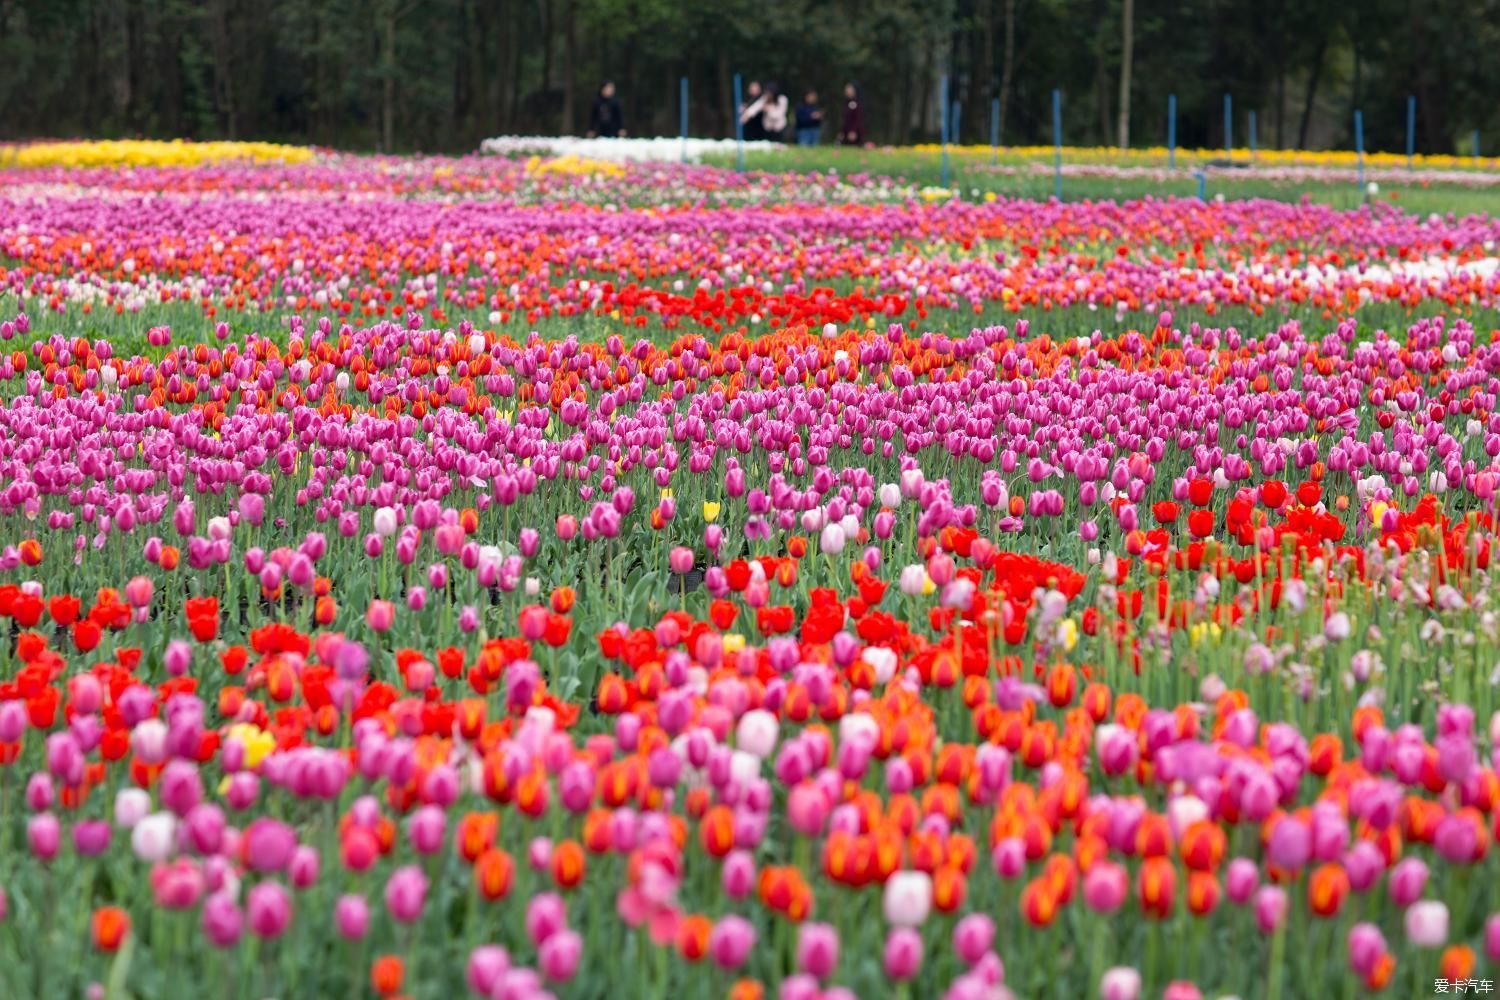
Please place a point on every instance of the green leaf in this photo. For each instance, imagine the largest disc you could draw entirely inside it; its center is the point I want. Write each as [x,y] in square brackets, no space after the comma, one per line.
[119,971]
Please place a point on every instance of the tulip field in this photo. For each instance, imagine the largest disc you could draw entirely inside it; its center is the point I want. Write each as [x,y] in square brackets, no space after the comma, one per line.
[548,577]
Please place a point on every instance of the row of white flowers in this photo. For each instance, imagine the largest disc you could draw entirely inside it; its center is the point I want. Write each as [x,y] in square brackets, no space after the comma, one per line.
[616,150]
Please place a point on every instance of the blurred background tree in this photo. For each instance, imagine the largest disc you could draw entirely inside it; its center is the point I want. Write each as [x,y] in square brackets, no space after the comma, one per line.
[440,75]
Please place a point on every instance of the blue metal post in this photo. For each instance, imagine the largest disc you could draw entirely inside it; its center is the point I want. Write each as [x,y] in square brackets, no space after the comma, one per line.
[683,100]
[1228,126]
[957,116]
[739,129]
[1411,129]
[1202,185]
[943,118]
[1359,144]
[995,130]
[1057,144]
[1252,135]
[1172,130]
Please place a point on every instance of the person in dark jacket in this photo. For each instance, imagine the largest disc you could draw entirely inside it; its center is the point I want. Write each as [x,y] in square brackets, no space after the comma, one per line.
[852,129]
[752,125]
[606,121]
[809,120]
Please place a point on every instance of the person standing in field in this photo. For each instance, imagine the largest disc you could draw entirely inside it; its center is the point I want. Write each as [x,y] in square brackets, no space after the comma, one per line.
[852,129]
[606,121]
[769,109]
[774,116]
[750,114]
[809,119]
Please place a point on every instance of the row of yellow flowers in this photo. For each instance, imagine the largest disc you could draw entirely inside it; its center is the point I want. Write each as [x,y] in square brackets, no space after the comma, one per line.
[573,165]
[1158,156]
[146,153]
[180,153]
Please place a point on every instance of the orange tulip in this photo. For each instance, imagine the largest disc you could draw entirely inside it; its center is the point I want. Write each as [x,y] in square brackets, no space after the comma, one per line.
[476,834]
[1327,889]
[387,975]
[692,936]
[1457,962]
[1203,845]
[494,873]
[1038,903]
[747,989]
[109,926]
[1203,892]
[1157,885]
[568,864]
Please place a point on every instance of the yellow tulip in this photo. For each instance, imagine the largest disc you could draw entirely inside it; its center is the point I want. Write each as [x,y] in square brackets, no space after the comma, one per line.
[711,511]
[149,153]
[1067,634]
[1202,631]
[257,742]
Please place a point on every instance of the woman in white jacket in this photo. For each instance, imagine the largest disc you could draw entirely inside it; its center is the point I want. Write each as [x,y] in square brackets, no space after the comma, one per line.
[771,106]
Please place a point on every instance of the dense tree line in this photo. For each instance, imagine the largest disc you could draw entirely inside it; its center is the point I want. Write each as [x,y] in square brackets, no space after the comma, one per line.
[442,74]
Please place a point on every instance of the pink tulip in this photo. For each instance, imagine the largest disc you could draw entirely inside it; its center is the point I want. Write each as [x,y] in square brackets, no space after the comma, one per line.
[406,894]
[546,915]
[1426,923]
[1105,886]
[269,909]
[486,966]
[222,920]
[43,836]
[1120,983]
[1241,878]
[903,954]
[1366,946]
[973,936]
[139,591]
[1407,881]
[817,949]
[738,876]
[176,885]
[268,845]
[1270,908]
[351,917]
[730,941]
[559,954]
[380,616]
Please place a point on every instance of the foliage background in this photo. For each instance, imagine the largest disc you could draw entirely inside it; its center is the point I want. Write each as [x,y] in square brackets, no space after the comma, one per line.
[439,75]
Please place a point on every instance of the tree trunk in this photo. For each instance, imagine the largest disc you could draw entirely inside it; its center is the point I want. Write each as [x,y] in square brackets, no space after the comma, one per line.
[570,72]
[513,55]
[1101,94]
[726,92]
[388,82]
[1127,50]
[1008,64]
[224,68]
[924,106]
[1311,93]
[626,83]
[546,41]
[1359,77]
[1280,105]
[126,91]
[900,110]
[985,77]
